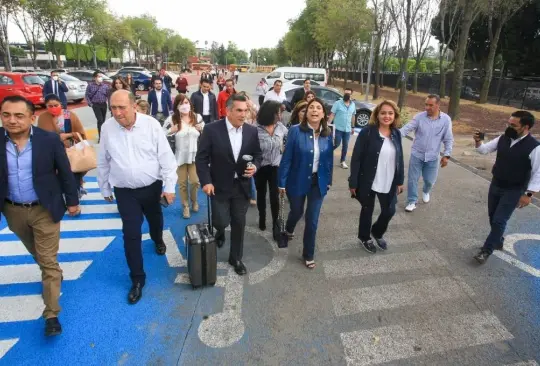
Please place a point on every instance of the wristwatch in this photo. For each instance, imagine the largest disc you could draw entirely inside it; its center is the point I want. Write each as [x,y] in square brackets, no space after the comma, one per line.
[529,194]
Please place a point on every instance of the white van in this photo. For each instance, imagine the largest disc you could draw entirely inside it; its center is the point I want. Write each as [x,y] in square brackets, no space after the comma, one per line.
[286,74]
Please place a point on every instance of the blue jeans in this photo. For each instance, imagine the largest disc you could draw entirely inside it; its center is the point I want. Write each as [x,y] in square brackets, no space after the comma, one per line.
[501,204]
[314,203]
[428,170]
[342,136]
[253,189]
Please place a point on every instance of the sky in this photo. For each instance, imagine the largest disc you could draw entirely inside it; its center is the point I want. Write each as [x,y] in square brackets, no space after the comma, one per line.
[250,24]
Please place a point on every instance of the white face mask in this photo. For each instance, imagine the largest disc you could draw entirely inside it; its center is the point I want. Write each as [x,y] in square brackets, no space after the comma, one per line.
[99,79]
[184,108]
[55,77]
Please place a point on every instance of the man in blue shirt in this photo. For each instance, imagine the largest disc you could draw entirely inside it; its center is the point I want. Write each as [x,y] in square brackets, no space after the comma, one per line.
[431,129]
[37,177]
[343,115]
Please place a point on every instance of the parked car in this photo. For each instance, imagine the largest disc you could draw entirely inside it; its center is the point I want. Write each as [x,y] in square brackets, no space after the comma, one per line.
[88,76]
[76,87]
[60,71]
[300,82]
[141,79]
[27,85]
[134,68]
[329,96]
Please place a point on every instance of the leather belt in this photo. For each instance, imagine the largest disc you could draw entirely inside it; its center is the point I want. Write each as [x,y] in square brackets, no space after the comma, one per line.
[26,204]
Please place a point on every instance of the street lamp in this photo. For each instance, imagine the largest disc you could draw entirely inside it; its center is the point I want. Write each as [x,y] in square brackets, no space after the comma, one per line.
[373,35]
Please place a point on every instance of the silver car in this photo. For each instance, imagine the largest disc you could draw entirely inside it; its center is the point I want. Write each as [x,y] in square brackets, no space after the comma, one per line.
[76,87]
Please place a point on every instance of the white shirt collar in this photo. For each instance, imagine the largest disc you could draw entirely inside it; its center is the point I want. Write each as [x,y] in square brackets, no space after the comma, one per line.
[230,127]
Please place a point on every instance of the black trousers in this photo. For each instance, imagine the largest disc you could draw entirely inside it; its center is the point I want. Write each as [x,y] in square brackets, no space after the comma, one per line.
[231,211]
[388,210]
[267,177]
[207,118]
[261,100]
[133,204]
[100,111]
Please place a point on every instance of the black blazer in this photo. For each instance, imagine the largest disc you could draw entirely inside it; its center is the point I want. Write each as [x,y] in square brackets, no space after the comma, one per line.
[365,158]
[298,96]
[197,100]
[167,82]
[52,174]
[215,160]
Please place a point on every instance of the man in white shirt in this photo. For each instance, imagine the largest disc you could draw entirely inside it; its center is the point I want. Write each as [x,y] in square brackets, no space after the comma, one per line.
[276,94]
[225,176]
[516,176]
[136,161]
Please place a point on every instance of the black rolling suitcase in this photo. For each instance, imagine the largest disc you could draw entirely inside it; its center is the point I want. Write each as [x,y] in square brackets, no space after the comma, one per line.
[201,253]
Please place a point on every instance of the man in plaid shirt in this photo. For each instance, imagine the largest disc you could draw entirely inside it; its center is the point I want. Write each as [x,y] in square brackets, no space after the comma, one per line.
[96,96]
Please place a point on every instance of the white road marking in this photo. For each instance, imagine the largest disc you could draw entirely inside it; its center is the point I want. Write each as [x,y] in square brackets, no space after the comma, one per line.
[277,263]
[354,301]
[401,237]
[382,264]
[396,342]
[525,363]
[226,328]
[20,308]
[73,245]
[83,225]
[5,346]
[93,196]
[89,185]
[174,257]
[516,262]
[28,273]
[511,240]
[99,209]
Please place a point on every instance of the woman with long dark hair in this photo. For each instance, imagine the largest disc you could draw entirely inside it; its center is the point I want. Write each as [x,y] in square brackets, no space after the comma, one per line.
[305,173]
[131,84]
[272,134]
[298,113]
[187,126]
[377,169]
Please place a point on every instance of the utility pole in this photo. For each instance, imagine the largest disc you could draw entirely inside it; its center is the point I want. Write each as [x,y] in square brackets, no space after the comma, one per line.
[370,65]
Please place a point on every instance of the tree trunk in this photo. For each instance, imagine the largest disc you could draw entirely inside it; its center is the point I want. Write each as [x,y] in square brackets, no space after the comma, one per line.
[500,80]
[377,64]
[416,70]
[459,60]
[489,64]
[403,71]
[442,75]
[77,51]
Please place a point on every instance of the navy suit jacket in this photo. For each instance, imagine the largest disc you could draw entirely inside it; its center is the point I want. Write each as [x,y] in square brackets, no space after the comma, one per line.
[62,90]
[166,102]
[215,160]
[51,172]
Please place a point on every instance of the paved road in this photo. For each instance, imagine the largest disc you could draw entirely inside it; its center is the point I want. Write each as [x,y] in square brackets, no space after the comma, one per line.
[423,302]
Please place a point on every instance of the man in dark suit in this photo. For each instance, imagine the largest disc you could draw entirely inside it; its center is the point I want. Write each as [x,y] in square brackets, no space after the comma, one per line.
[224,174]
[57,87]
[160,102]
[34,178]
[300,93]
[166,80]
[204,102]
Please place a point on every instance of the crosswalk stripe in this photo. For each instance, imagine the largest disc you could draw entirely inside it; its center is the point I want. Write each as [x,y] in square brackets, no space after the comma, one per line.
[396,342]
[28,273]
[387,263]
[90,185]
[354,301]
[93,196]
[393,238]
[6,344]
[99,209]
[74,245]
[20,308]
[83,225]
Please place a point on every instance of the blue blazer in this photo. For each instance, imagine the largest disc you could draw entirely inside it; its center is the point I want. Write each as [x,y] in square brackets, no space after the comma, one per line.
[62,90]
[52,174]
[295,169]
[166,102]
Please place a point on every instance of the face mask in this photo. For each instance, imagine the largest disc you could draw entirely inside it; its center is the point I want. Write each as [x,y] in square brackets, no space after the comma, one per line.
[184,108]
[55,78]
[346,97]
[511,133]
[99,79]
[55,111]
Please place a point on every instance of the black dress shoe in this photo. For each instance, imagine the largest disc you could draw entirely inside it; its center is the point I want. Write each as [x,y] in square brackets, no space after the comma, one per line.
[482,256]
[135,293]
[262,223]
[239,267]
[220,240]
[52,327]
[161,248]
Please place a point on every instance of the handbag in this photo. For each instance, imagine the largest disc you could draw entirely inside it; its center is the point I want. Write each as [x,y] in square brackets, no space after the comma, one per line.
[279,232]
[82,156]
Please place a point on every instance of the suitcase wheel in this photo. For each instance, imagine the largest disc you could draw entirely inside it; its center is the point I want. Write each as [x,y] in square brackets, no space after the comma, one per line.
[212,284]
[195,287]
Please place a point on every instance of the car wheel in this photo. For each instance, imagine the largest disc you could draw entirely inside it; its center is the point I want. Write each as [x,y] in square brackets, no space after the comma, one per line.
[77,101]
[140,87]
[362,119]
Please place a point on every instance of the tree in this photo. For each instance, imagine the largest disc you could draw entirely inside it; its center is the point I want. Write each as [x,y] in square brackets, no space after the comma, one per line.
[180,48]
[141,27]
[470,10]
[113,34]
[498,14]
[404,15]
[87,18]
[381,27]
[7,7]
[422,35]
[30,30]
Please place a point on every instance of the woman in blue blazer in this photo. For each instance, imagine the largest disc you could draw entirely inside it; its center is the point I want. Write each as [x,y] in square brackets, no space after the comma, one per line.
[377,170]
[305,172]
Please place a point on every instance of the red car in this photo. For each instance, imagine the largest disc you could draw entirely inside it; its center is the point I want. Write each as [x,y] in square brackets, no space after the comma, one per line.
[27,85]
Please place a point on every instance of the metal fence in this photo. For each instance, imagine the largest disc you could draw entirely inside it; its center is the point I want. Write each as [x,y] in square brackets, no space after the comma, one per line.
[521,94]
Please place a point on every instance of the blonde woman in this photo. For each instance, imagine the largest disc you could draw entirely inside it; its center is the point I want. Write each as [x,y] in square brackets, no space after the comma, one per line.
[187,126]
[377,171]
[143,106]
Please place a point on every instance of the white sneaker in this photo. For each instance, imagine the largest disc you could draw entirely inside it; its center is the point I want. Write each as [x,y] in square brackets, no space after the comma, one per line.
[344,165]
[425,197]
[410,207]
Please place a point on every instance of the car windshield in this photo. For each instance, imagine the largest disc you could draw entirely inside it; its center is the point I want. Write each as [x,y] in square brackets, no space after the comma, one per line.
[33,80]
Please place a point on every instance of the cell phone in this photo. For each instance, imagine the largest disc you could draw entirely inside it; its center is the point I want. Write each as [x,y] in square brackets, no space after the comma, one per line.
[481,136]
[163,202]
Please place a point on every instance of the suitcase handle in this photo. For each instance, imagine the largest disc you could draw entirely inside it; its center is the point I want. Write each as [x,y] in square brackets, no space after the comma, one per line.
[211,227]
